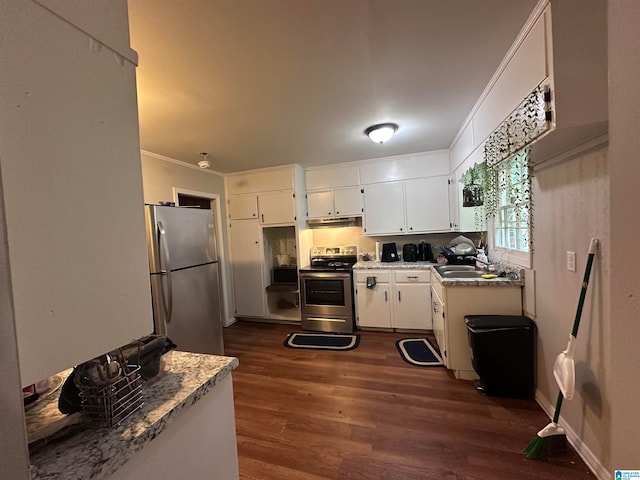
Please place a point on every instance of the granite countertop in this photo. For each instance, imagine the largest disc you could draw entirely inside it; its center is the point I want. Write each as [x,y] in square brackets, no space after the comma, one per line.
[448,282]
[95,453]
[373,264]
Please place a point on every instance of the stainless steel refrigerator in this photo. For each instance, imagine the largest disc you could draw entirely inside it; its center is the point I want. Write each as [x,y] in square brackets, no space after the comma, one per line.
[185,277]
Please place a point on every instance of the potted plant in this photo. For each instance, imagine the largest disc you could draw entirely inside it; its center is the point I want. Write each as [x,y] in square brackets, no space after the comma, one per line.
[472,192]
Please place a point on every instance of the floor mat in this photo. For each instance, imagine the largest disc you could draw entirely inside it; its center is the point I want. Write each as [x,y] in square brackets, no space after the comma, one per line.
[419,352]
[322,341]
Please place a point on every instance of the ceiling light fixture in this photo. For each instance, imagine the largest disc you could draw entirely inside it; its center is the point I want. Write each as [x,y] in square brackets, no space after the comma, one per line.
[204,163]
[382,132]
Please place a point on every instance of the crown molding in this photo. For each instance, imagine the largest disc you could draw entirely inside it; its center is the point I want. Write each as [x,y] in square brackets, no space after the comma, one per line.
[180,163]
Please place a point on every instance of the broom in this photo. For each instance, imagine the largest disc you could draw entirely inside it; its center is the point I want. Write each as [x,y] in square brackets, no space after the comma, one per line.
[553,437]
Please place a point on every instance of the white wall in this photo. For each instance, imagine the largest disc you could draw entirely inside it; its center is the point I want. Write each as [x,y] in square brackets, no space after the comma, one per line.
[624,121]
[571,205]
[160,175]
[14,457]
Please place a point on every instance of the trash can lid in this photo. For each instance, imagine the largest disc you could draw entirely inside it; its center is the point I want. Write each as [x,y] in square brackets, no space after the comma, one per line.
[497,321]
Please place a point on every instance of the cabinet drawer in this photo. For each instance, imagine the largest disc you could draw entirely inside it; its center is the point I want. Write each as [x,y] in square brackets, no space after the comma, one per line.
[381,275]
[412,276]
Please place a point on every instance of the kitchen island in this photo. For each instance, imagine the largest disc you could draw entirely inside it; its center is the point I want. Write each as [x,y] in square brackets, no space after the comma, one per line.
[186,428]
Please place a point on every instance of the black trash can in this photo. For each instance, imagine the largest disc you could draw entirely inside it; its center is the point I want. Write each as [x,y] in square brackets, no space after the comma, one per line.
[503,354]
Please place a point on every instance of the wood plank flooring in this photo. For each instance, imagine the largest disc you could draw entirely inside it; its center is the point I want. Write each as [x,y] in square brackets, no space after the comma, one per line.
[365,414]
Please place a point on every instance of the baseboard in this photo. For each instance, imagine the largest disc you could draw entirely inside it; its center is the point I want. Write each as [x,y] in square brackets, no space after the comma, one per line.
[576,442]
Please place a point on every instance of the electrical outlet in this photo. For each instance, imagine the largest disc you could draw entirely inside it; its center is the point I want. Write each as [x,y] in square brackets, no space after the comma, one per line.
[571,261]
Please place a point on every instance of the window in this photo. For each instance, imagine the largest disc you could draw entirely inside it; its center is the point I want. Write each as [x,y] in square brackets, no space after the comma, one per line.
[512,223]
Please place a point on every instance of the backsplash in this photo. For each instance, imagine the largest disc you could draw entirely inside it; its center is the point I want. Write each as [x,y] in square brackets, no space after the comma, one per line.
[365,244]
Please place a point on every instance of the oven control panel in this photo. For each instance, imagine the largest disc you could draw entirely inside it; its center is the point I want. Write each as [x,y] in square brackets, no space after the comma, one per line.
[334,251]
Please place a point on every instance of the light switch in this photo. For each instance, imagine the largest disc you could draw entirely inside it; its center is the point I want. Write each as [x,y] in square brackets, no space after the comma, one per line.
[571,261]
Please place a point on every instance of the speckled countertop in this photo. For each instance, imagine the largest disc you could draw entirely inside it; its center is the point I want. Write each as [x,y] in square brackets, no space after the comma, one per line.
[448,282]
[95,453]
[362,265]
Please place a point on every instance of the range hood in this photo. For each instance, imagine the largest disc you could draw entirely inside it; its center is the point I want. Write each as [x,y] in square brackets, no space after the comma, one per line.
[333,222]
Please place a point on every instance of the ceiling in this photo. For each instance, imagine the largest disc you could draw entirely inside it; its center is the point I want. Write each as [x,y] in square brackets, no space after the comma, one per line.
[257,83]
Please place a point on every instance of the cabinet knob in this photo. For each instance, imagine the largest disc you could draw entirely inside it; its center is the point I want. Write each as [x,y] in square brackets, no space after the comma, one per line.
[410,228]
[400,228]
[337,213]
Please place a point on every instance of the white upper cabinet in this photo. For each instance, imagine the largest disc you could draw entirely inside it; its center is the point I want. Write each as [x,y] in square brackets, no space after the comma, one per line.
[341,202]
[405,167]
[348,201]
[384,209]
[332,177]
[271,195]
[320,204]
[333,192]
[256,181]
[415,206]
[243,207]
[277,208]
[427,204]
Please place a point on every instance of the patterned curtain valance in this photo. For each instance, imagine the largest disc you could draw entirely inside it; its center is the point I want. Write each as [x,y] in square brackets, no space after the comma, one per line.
[522,127]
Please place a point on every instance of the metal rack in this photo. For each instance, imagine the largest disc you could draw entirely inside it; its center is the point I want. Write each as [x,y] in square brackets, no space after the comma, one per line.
[108,406]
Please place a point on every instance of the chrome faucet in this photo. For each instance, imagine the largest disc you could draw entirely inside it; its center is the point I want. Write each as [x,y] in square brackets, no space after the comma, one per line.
[489,267]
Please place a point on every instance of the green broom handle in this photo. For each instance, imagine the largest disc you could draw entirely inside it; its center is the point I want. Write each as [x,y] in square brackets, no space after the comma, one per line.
[556,415]
[593,246]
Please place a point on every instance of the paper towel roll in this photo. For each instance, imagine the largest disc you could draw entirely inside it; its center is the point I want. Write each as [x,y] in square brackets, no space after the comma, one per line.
[378,251]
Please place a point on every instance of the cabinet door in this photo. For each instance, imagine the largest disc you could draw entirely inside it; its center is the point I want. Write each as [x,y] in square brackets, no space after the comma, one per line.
[412,306]
[439,330]
[348,201]
[277,207]
[320,204]
[373,305]
[454,204]
[384,208]
[428,204]
[243,207]
[246,263]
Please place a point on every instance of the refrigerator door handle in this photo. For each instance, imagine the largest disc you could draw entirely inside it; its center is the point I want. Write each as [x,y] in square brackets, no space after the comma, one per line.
[162,240]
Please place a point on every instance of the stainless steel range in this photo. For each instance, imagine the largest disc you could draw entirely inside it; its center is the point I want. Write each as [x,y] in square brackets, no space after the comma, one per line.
[326,288]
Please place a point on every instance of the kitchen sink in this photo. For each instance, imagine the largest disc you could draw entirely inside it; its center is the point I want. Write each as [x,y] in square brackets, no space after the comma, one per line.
[456,268]
[461,274]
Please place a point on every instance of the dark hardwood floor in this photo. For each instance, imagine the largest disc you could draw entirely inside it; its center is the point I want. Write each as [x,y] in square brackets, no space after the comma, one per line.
[365,414]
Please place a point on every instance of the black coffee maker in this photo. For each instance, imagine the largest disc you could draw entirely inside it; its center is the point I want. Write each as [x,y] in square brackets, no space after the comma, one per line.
[389,253]
[425,254]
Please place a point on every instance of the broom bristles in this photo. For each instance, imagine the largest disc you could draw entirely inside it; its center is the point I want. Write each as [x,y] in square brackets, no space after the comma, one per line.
[541,447]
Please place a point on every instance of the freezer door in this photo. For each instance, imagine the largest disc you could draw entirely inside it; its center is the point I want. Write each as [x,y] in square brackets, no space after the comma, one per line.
[196,321]
[180,237]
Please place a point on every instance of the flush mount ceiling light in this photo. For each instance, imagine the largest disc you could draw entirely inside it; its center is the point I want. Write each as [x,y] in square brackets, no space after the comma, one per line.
[204,163]
[382,132]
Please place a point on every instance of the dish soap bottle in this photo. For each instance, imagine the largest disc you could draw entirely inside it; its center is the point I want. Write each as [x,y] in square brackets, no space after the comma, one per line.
[480,255]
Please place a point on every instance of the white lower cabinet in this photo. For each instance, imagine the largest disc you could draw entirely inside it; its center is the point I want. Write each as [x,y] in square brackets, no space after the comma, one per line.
[399,299]
[373,304]
[412,300]
[451,304]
